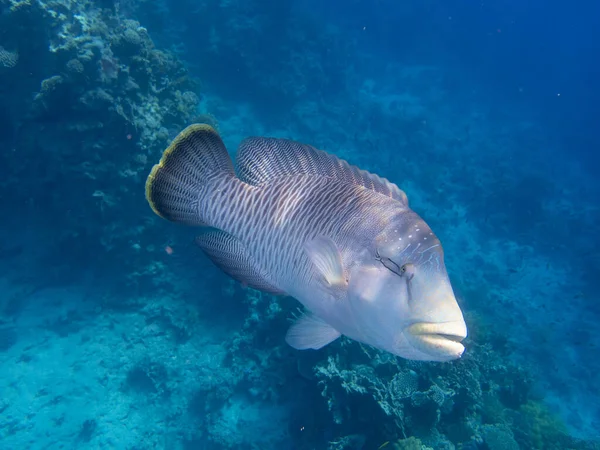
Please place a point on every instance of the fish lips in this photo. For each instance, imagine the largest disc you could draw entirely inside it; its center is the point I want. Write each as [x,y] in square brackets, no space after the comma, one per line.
[441,341]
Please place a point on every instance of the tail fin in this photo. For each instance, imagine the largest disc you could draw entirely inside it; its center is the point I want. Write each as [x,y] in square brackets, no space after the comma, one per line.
[194,158]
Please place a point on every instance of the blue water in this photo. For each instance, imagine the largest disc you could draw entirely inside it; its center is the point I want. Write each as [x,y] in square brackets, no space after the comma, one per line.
[117,333]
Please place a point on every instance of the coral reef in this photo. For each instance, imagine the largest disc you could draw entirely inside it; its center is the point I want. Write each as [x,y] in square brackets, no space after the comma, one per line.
[480,398]
[105,103]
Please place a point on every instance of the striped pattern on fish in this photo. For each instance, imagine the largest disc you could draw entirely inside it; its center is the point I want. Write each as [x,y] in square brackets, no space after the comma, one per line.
[276,220]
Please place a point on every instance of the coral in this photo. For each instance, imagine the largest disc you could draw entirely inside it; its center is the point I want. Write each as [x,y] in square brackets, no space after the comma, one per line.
[443,405]
[53,93]
[404,384]
[129,40]
[536,428]
[75,69]
[338,383]
[411,443]
[492,409]
[498,438]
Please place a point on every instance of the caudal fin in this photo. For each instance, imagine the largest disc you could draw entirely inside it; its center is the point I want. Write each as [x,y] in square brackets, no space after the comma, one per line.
[176,184]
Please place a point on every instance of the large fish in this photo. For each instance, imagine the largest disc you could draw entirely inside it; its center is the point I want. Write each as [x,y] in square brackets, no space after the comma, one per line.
[294,220]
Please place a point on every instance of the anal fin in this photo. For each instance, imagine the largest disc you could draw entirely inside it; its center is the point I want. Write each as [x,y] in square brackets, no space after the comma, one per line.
[232,257]
[311,332]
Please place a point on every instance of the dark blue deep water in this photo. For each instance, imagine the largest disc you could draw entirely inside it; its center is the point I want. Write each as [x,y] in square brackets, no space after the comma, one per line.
[116,332]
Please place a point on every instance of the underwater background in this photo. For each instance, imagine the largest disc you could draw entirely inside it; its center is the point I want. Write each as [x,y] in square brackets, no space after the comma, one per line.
[116,332]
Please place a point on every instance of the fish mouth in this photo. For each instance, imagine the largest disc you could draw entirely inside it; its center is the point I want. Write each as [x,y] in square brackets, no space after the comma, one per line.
[442,341]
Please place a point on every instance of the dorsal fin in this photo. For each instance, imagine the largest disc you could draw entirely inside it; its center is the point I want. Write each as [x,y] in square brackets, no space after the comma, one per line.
[260,160]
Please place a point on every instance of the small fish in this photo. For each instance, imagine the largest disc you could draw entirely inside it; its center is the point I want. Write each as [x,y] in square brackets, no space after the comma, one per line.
[293,220]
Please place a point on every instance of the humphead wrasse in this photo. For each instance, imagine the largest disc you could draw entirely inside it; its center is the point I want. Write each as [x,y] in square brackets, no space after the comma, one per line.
[290,219]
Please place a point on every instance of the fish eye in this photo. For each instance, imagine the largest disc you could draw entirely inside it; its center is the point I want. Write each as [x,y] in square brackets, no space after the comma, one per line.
[405,271]
[408,271]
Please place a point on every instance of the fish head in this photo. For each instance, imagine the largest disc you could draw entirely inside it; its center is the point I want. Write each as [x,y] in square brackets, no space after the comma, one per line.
[401,297]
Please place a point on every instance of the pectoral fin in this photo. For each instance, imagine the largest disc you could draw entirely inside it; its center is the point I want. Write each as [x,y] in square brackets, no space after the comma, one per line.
[327,259]
[310,332]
